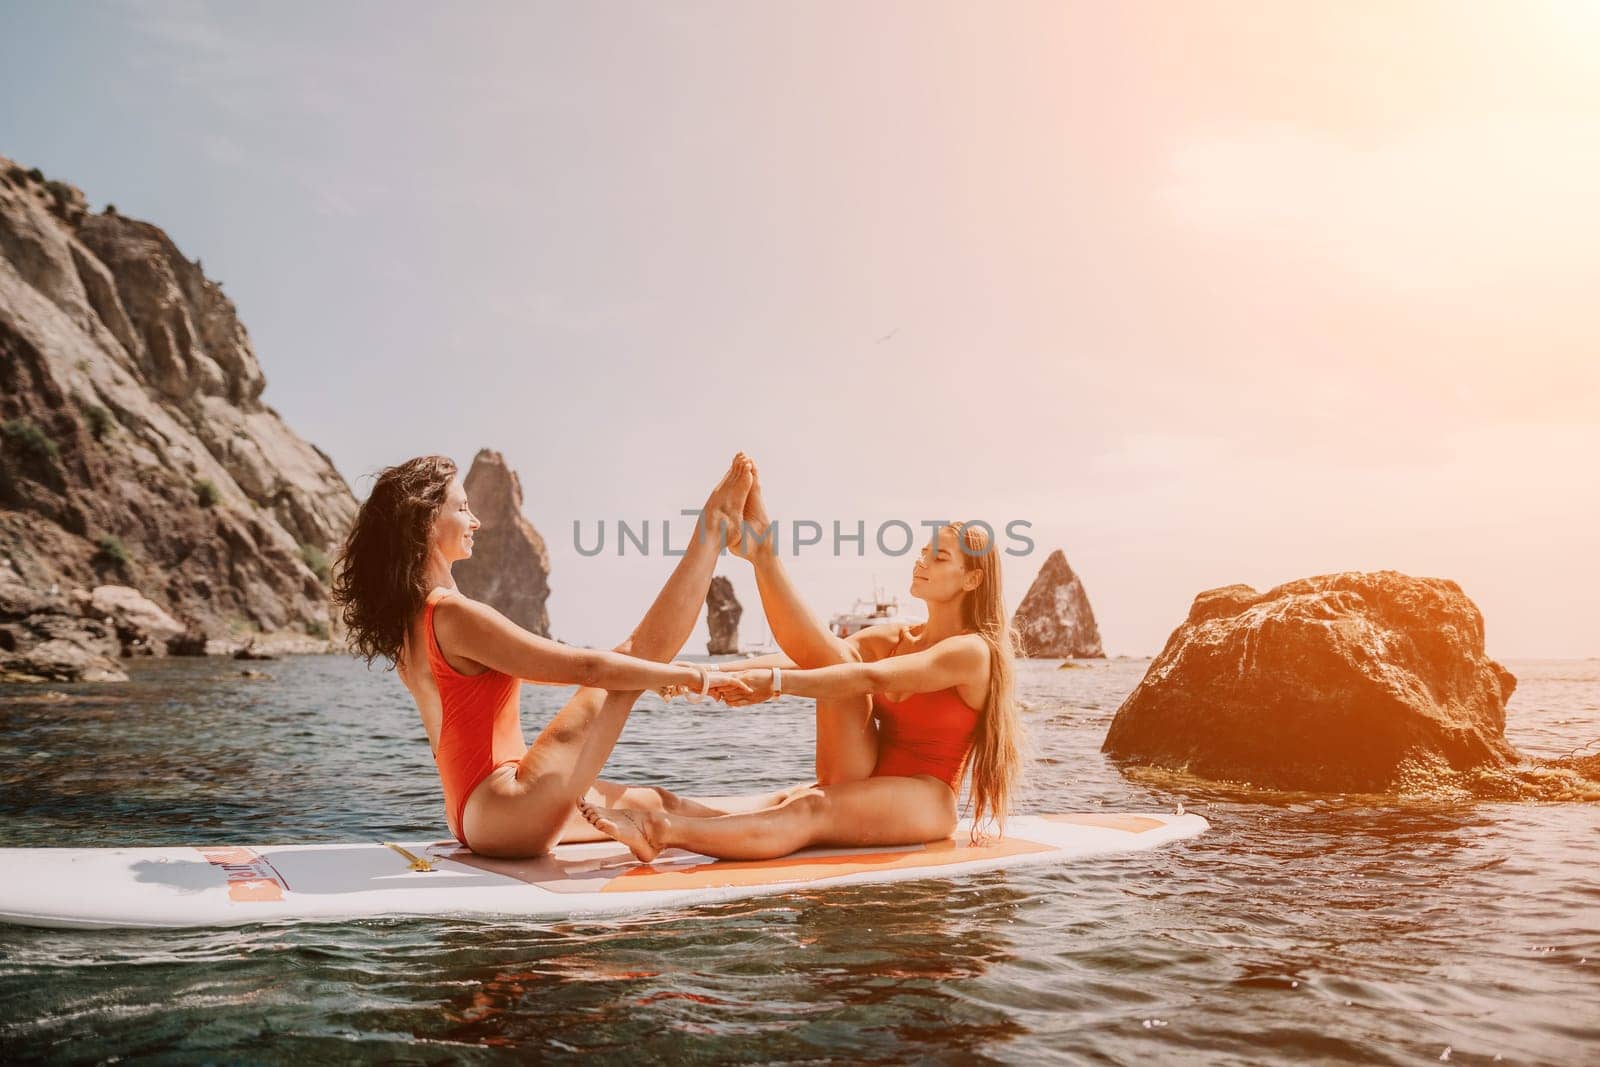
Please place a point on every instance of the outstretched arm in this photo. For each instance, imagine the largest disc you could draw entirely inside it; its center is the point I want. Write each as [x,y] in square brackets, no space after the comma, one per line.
[478,633]
[874,642]
[773,659]
[961,660]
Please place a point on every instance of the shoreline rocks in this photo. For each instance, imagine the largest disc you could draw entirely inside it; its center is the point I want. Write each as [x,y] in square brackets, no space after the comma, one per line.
[1345,682]
[83,636]
[141,626]
[1054,619]
[42,639]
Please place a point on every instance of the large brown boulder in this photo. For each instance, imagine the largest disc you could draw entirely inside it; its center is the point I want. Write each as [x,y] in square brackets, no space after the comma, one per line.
[723,612]
[510,566]
[1054,618]
[1341,683]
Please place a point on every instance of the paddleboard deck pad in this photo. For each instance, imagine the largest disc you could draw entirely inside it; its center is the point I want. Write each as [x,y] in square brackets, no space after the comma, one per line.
[227,885]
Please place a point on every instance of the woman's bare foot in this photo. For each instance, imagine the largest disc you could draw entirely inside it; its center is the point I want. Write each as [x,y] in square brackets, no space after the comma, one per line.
[639,830]
[756,537]
[725,506]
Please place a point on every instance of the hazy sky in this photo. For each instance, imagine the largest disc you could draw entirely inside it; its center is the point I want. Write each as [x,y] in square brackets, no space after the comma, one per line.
[1207,292]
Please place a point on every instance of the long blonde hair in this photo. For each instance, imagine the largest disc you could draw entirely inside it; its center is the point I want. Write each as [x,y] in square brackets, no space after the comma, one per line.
[998,744]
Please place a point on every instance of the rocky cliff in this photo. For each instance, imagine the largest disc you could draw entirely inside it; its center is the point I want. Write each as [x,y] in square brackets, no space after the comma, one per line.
[135,450]
[510,566]
[723,612]
[1054,618]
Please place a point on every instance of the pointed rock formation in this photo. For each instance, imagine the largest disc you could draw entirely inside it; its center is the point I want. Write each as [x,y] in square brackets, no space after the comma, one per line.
[723,612]
[510,566]
[134,447]
[1341,683]
[1055,619]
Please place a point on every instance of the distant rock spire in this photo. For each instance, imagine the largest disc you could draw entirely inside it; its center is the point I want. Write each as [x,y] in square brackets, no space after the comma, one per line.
[1055,619]
[510,567]
[723,612]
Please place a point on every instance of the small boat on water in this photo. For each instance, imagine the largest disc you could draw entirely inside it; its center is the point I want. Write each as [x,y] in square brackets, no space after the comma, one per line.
[866,613]
[763,647]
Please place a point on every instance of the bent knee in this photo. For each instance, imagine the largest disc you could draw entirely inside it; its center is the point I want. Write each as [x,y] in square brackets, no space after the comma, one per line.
[807,800]
[653,798]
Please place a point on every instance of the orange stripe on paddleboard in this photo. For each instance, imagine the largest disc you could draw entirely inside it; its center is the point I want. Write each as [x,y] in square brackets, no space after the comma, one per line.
[1134,824]
[721,873]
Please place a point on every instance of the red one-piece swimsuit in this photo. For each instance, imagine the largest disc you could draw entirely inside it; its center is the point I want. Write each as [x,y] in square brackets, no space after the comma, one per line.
[481,726]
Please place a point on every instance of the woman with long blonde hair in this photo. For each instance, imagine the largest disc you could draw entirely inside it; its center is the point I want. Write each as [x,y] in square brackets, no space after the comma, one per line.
[889,769]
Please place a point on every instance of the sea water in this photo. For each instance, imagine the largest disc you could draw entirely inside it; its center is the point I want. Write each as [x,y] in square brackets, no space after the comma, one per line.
[1300,929]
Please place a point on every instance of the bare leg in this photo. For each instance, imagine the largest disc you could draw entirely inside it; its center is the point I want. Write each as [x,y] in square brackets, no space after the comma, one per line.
[524,815]
[878,811]
[800,634]
[847,739]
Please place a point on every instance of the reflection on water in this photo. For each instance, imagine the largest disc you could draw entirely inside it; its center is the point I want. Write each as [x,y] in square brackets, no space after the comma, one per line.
[1328,929]
[887,955]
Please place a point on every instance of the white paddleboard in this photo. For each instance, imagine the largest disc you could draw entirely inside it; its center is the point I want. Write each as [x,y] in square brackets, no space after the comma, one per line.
[225,885]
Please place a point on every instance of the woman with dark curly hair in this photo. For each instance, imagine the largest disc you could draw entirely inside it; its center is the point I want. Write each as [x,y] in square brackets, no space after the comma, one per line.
[464,663]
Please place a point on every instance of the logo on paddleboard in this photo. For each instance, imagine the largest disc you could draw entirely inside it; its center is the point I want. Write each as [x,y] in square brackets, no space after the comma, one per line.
[250,875]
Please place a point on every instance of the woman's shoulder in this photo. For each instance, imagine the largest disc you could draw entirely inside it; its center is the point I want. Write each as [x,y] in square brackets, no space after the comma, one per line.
[912,638]
[970,641]
[880,640]
[458,617]
[908,633]
[446,602]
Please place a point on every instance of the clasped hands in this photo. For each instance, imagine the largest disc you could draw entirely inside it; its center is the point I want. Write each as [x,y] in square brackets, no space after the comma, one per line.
[736,689]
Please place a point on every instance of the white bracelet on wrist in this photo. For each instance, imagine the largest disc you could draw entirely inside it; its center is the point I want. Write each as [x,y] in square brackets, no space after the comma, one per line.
[777,681]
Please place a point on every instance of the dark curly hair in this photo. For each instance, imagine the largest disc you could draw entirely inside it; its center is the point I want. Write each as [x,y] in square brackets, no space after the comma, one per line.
[377,582]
